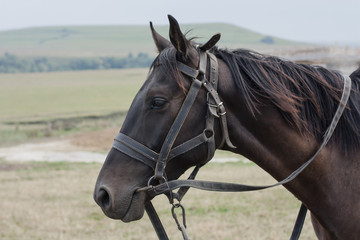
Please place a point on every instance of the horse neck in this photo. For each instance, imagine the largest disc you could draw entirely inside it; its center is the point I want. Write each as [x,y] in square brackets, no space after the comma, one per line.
[269,141]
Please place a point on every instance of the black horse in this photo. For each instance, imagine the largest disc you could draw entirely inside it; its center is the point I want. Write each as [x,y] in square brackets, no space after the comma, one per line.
[277,112]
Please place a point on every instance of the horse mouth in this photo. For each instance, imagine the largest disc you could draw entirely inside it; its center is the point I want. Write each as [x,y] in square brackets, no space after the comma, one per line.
[136,208]
[127,209]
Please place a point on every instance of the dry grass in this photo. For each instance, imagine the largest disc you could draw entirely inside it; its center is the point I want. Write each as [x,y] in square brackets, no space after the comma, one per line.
[54,201]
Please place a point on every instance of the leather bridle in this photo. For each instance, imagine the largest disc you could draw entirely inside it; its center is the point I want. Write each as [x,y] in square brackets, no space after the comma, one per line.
[158,161]
[216,109]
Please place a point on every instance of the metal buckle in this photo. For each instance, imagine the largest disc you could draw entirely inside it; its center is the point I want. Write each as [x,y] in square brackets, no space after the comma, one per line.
[152,178]
[221,111]
[149,185]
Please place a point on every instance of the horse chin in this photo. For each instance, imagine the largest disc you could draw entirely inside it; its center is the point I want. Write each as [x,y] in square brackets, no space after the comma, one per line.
[135,210]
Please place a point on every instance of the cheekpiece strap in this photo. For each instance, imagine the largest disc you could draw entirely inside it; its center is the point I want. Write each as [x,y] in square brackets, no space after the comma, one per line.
[188,71]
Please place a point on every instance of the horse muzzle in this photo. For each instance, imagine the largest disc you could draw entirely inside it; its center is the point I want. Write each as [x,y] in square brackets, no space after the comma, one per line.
[127,207]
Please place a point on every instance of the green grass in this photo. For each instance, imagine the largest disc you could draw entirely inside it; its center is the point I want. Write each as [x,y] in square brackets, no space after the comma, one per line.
[90,41]
[34,96]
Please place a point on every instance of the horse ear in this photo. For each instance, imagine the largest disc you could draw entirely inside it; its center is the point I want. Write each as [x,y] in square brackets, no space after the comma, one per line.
[177,38]
[160,42]
[209,44]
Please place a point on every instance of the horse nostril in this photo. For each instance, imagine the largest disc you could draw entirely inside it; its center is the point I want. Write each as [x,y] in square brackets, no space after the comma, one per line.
[103,199]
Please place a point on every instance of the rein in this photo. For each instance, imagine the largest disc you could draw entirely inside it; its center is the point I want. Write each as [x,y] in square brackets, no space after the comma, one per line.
[216,109]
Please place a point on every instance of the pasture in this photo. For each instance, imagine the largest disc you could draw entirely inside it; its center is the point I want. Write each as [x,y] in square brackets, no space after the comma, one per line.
[34,96]
[41,200]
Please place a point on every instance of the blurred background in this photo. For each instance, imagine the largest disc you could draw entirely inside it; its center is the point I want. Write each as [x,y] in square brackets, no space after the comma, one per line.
[68,73]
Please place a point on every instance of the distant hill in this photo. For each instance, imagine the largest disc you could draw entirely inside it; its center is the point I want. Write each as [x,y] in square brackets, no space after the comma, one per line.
[118,41]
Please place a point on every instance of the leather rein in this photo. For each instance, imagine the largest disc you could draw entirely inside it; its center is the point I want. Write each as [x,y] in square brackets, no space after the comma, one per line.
[216,109]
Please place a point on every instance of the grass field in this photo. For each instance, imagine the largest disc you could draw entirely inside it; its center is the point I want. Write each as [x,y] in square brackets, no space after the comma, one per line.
[94,41]
[54,201]
[36,96]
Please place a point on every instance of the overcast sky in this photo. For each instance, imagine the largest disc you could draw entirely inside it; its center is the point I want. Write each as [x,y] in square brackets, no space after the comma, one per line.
[302,20]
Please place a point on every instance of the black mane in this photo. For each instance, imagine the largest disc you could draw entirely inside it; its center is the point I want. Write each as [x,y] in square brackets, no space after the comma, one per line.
[307,96]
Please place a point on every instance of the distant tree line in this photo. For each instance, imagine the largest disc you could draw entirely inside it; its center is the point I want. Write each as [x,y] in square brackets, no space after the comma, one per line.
[267,40]
[10,63]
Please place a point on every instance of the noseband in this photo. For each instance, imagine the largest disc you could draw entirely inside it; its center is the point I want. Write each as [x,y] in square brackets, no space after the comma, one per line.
[216,109]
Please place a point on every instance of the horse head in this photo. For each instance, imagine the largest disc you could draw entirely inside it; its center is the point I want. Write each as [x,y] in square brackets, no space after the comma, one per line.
[148,124]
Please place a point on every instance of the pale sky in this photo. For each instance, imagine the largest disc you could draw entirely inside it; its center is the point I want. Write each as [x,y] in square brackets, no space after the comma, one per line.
[301,20]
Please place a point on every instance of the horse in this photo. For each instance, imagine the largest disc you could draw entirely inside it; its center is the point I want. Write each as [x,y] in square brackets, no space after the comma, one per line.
[270,110]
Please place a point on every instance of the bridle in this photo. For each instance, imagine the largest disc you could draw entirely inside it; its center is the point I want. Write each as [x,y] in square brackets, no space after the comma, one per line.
[216,109]
[158,161]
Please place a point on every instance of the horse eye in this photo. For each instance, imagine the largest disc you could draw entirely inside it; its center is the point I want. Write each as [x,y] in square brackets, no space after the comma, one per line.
[158,102]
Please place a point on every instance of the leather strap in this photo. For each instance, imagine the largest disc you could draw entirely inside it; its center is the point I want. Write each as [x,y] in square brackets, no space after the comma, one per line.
[188,71]
[147,156]
[299,223]
[198,77]
[217,109]
[183,190]
[188,145]
[155,220]
[220,112]
[135,149]
[175,129]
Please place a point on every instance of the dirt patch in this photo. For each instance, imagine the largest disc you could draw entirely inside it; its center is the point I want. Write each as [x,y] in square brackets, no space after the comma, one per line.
[81,147]
[96,141]
[4,167]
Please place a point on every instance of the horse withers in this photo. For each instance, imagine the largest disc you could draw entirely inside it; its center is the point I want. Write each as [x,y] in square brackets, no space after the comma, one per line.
[277,113]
